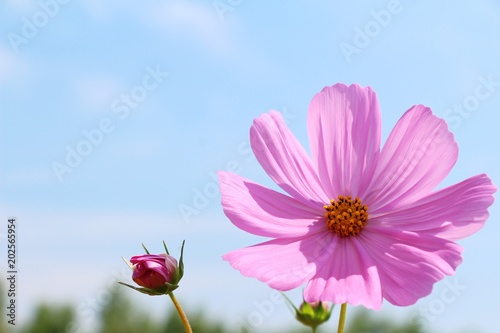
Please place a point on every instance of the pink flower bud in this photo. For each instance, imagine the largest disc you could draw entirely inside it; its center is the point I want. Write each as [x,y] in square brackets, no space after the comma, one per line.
[316,304]
[153,270]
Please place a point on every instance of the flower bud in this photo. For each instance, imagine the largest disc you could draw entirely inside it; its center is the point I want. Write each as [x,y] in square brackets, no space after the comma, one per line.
[153,271]
[157,274]
[313,314]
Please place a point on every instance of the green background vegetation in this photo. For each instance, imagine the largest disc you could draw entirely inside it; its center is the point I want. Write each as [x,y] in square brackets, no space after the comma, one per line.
[120,315]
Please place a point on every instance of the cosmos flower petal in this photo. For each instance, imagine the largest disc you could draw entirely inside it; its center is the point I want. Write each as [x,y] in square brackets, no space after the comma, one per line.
[344,129]
[262,211]
[452,213]
[285,160]
[147,258]
[345,272]
[410,263]
[404,247]
[281,263]
[419,153]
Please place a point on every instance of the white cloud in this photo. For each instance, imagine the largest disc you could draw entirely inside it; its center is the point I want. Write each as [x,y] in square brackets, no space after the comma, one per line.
[22,6]
[177,18]
[194,20]
[97,93]
[100,10]
[11,66]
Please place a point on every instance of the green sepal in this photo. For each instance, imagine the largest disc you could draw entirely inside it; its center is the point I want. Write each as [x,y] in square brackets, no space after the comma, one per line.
[313,316]
[179,272]
[167,288]
[309,315]
[180,267]
[145,249]
[165,246]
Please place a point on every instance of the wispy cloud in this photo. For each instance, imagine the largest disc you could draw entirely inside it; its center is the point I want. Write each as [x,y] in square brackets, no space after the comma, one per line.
[194,21]
[99,10]
[97,92]
[10,65]
[22,6]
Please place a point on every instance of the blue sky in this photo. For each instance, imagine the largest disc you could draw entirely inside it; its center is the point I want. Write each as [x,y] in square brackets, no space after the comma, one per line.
[156,96]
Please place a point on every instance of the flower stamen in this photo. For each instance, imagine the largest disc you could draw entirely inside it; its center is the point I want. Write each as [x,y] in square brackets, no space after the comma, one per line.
[346,217]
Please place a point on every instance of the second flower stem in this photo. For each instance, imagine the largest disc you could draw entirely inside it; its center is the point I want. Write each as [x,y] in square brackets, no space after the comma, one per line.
[178,307]
[343,309]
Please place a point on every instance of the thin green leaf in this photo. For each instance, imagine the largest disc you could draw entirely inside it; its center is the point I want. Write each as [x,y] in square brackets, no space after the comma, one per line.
[144,247]
[165,245]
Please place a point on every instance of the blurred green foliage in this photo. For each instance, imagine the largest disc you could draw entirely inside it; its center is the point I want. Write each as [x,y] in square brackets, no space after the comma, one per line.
[364,321]
[50,318]
[119,315]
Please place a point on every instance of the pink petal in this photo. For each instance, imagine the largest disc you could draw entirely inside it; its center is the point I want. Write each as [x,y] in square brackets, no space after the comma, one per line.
[147,257]
[285,160]
[283,264]
[344,133]
[417,156]
[452,213]
[409,263]
[265,212]
[346,272]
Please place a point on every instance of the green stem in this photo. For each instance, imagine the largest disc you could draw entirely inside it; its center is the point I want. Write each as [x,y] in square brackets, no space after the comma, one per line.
[343,310]
[184,319]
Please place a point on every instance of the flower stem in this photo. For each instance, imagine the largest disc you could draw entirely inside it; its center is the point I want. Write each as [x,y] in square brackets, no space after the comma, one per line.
[343,310]
[178,307]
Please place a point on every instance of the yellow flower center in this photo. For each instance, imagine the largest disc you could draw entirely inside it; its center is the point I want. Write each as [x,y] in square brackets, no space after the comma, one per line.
[346,217]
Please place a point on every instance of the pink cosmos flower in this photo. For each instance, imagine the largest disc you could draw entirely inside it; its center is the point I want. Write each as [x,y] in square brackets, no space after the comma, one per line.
[153,270]
[358,223]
